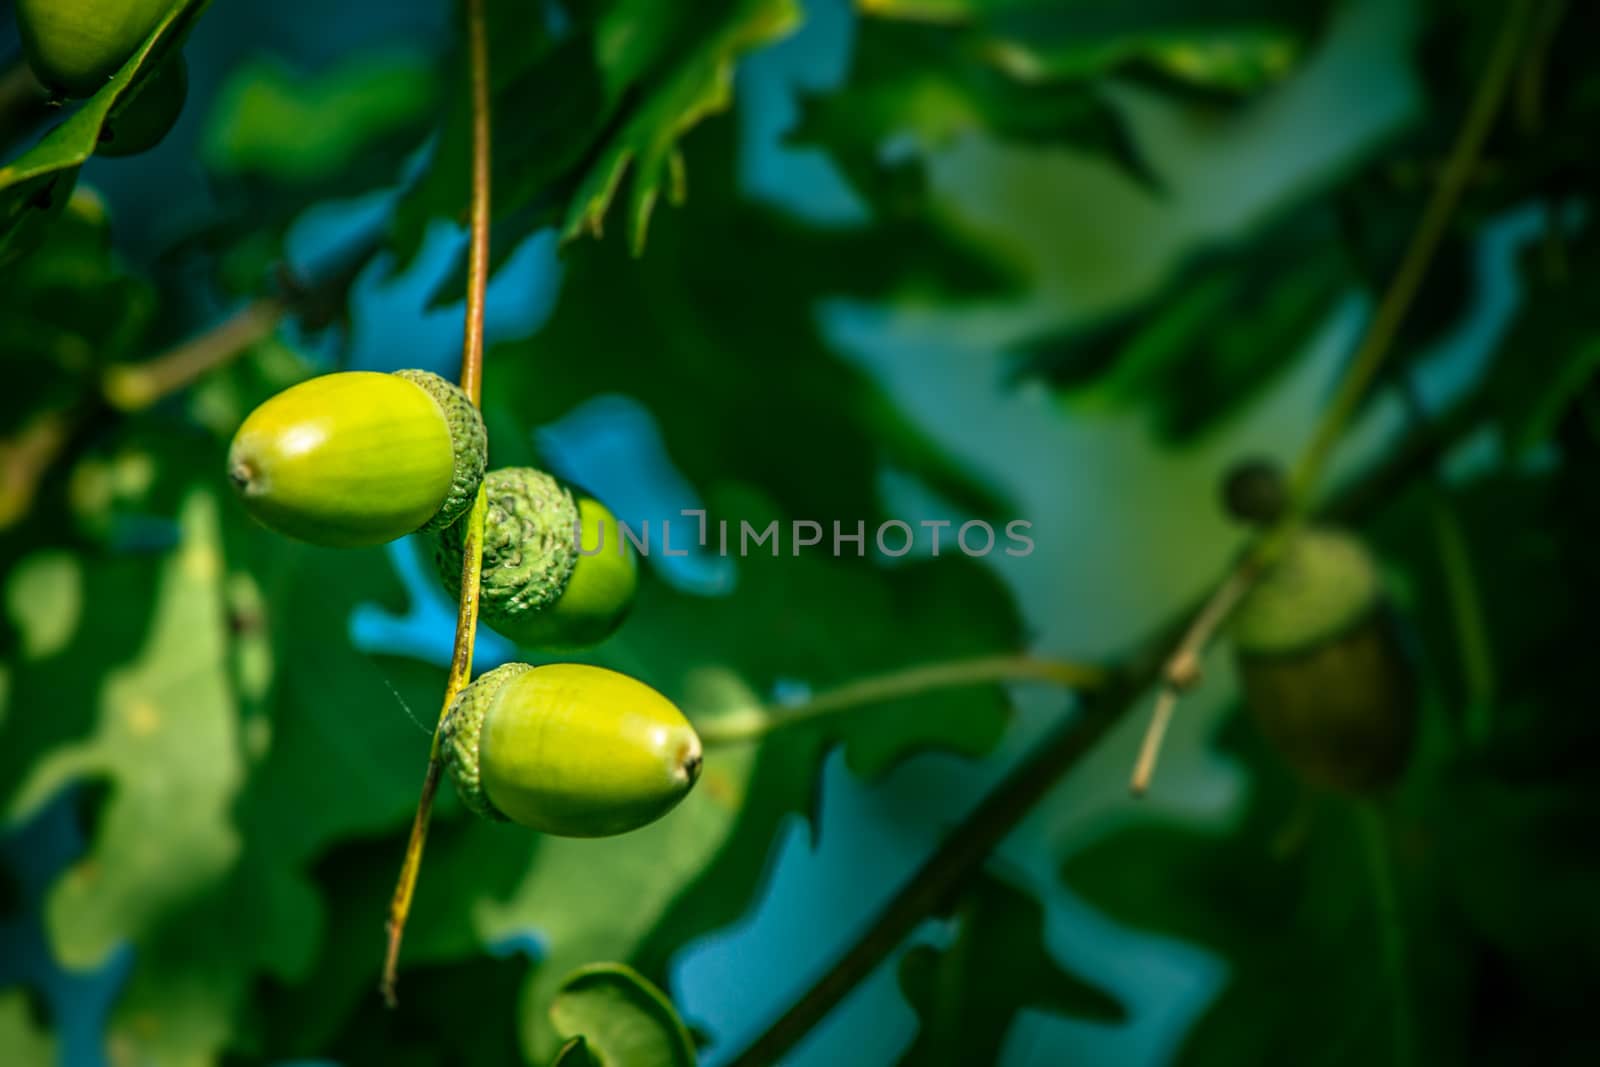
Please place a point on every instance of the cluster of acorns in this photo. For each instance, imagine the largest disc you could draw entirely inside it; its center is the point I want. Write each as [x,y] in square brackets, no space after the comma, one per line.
[359,458]
[76,46]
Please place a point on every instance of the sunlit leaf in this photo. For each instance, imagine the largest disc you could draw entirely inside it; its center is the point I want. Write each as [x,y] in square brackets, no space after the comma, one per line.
[274,123]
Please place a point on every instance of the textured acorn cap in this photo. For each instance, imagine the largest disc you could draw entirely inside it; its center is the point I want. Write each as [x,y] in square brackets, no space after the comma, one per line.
[460,734]
[1323,584]
[469,441]
[528,550]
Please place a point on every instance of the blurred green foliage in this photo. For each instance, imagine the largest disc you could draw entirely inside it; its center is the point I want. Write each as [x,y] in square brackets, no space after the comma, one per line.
[246,775]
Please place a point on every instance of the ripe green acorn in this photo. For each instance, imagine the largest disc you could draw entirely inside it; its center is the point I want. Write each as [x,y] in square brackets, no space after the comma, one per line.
[147,113]
[359,458]
[1321,664]
[568,749]
[539,588]
[75,46]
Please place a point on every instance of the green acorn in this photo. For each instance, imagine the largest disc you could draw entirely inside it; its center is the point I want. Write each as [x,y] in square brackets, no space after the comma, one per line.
[147,112]
[1321,664]
[568,749]
[538,588]
[359,458]
[75,46]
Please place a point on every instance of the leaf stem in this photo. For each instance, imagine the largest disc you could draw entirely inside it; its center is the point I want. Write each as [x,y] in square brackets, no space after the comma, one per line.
[135,386]
[1378,341]
[912,681]
[1183,669]
[472,561]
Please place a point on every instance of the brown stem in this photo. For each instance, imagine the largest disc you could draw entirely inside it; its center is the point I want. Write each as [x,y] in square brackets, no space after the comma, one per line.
[24,460]
[132,387]
[1397,298]
[472,562]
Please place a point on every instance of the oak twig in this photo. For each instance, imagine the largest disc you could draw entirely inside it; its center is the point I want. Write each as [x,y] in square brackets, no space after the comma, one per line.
[472,562]
[965,849]
[1376,345]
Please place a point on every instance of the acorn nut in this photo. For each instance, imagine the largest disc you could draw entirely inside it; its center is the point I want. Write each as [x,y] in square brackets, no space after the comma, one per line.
[557,572]
[75,46]
[568,749]
[1320,661]
[359,458]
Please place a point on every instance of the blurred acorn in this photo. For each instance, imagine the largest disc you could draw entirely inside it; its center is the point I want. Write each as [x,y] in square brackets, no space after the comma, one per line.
[1321,664]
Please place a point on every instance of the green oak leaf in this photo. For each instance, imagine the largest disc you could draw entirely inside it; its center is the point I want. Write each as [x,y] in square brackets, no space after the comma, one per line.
[274,123]
[1219,47]
[577,112]
[42,177]
[23,1042]
[575,1053]
[623,1020]
[692,87]
[968,995]
[1183,352]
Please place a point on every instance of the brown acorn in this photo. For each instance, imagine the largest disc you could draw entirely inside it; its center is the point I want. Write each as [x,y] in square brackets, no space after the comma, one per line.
[1322,667]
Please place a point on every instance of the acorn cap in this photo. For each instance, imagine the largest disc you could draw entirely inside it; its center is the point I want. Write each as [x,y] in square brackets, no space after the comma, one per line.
[528,549]
[469,441]
[1324,583]
[459,737]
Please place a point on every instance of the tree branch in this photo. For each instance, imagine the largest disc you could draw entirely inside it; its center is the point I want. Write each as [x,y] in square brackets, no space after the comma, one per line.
[1183,669]
[964,851]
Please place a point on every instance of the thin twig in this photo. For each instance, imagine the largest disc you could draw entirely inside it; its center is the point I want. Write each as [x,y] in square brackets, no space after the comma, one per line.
[913,681]
[133,387]
[1397,298]
[24,460]
[472,562]
[1376,344]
